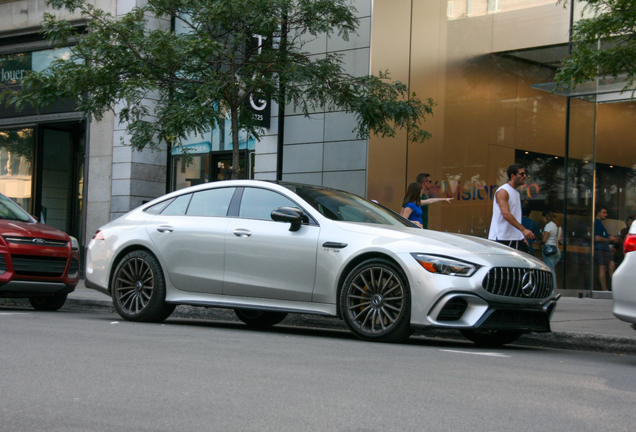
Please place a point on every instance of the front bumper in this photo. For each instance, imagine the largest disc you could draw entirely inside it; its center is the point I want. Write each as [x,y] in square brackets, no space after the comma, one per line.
[467,310]
[24,289]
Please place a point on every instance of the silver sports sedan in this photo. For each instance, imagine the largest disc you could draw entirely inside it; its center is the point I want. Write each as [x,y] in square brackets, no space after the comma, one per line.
[266,249]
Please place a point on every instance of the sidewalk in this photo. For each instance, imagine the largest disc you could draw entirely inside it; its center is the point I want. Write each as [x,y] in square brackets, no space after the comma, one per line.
[578,323]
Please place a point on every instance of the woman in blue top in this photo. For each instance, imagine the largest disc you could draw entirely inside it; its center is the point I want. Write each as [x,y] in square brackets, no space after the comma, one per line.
[412,209]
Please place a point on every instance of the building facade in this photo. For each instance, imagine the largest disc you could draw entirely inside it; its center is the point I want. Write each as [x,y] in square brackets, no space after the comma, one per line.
[488,64]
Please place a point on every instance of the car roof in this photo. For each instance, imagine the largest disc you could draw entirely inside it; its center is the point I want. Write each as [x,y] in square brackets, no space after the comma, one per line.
[271,184]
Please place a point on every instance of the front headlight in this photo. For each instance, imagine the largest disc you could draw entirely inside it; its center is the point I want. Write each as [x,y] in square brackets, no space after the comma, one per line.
[74,243]
[445,266]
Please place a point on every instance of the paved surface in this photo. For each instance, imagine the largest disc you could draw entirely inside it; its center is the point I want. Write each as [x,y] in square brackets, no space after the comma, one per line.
[577,323]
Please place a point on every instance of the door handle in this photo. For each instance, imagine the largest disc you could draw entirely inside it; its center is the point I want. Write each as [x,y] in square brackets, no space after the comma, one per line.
[242,232]
[164,228]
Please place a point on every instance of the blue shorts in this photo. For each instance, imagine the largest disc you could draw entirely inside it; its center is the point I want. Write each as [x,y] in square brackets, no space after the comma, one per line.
[603,257]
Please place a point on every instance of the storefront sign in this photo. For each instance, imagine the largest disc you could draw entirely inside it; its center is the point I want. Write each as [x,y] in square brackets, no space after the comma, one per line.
[261,109]
[195,148]
[14,67]
[475,191]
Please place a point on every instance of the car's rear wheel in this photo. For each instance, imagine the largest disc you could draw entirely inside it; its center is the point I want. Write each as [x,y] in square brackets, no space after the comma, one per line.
[256,318]
[375,301]
[138,288]
[491,338]
[48,304]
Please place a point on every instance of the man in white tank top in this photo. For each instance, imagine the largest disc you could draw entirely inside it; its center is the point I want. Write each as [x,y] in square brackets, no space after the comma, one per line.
[505,226]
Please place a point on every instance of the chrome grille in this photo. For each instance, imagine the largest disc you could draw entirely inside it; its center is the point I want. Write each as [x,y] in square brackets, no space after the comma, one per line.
[36,241]
[507,282]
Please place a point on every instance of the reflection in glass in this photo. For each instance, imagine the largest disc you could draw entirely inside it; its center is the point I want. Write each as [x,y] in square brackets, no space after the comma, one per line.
[190,174]
[16,166]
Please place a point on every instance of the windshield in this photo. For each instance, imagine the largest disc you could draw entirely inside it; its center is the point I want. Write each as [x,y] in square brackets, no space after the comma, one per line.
[345,206]
[12,211]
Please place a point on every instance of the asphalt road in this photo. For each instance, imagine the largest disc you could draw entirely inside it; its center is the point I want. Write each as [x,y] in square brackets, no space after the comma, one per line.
[83,371]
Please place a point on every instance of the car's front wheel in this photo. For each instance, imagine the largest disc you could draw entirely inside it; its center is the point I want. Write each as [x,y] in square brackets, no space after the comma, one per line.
[138,288]
[375,301]
[256,318]
[48,304]
[491,338]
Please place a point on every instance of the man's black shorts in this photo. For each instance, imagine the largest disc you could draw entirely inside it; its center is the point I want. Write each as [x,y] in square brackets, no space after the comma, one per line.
[520,245]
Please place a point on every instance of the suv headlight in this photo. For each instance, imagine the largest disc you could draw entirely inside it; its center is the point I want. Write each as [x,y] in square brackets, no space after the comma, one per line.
[445,266]
[74,243]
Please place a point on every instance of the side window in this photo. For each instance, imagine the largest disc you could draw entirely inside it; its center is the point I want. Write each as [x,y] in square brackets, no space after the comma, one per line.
[259,203]
[211,202]
[178,206]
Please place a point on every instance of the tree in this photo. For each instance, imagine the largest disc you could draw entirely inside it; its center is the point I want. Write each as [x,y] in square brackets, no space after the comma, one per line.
[602,45]
[197,76]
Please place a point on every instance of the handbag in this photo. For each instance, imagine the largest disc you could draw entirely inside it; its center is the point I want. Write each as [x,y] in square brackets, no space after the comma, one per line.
[549,250]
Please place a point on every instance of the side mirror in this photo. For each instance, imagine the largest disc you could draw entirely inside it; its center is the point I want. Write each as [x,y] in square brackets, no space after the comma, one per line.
[290,215]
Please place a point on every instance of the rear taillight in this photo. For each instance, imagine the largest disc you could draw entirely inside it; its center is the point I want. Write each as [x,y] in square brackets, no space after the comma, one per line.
[630,243]
[98,235]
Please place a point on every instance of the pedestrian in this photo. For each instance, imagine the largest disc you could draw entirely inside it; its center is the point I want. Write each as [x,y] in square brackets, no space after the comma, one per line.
[552,236]
[505,226]
[603,255]
[412,209]
[424,179]
[531,225]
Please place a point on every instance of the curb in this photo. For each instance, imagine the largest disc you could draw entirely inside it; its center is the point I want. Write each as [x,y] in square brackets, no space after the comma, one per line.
[560,340]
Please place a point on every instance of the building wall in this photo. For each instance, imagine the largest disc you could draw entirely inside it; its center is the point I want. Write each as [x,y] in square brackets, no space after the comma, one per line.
[486,107]
[118,178]
[137,177]
[322,148]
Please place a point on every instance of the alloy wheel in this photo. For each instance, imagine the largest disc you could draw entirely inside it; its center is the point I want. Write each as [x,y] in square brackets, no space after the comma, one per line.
[375,300]
[134,284]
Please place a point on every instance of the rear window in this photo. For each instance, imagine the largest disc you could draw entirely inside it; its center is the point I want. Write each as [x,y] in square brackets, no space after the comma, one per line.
[177,207]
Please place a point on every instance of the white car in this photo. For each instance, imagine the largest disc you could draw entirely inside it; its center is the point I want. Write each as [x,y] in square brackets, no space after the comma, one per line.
[623,286]
[266,249]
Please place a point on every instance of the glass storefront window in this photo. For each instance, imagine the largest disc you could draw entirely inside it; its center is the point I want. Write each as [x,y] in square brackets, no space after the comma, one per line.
[16,166]
[186,174]
[222,138]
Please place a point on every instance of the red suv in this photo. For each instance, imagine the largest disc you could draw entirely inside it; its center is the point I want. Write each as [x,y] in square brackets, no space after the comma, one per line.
[37,261]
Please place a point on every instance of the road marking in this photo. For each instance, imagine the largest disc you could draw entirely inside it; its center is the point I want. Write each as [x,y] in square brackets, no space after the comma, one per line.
[115,322]
[488,354]
[15,313]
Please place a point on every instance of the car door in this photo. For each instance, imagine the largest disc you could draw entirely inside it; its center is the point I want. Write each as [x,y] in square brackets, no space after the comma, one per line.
[190,236]
[263,258]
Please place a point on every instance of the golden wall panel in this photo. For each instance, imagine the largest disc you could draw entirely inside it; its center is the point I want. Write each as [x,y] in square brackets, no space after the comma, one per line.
[387,158]
[615,138]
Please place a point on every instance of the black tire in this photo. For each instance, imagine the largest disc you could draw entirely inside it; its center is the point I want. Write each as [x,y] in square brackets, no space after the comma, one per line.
[491,338]
[375,302]
[48,304]
[138,288]
[255,318]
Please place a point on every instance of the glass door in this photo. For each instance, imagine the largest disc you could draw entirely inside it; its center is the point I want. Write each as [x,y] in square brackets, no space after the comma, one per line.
[578,225]
[222,165]
[60,177]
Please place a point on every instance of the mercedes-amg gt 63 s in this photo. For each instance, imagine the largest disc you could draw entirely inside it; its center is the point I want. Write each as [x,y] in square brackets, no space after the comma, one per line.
[266,249]
[37,261]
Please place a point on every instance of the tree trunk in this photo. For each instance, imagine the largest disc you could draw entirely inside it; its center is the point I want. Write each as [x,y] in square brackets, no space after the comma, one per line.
[236,163]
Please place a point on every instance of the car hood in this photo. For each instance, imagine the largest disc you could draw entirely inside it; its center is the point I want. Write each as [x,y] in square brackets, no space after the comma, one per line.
[450,244]
[9,228]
